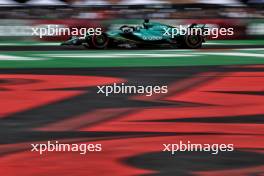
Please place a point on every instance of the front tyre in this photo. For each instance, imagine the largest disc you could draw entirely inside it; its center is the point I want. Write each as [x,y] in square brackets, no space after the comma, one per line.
[98,41]
[192,42]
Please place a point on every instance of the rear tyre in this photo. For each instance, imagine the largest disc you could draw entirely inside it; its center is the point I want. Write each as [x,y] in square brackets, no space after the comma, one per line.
[98,41]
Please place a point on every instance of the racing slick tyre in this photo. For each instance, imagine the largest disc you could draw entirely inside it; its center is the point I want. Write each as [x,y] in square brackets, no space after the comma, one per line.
[98,41]
[192,42]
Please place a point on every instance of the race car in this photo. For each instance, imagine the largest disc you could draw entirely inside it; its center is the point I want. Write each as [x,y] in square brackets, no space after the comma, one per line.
[149,34]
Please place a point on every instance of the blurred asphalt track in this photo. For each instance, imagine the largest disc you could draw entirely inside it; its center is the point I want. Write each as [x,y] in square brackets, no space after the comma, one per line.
[215,96]
[56,47]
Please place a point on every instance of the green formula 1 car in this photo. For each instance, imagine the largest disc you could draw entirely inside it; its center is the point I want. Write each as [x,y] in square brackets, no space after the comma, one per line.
[149,34]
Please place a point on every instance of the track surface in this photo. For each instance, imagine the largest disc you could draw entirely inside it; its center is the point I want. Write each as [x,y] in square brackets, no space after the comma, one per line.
[66,48]
[208,102]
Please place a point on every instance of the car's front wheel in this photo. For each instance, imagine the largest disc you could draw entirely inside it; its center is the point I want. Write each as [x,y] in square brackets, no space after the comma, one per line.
[192,42]
[99,41]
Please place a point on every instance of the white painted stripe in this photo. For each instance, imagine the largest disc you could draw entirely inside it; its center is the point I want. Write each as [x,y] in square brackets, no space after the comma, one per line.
[233,54]
[170,50]
[215,43]
[113,55]
[7,44]
[30,44]
[250,49]
[17,58]
[157,55]
[47,44]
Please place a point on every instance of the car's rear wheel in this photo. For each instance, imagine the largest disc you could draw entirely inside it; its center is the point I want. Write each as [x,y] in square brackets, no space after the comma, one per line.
[192,42]
[99,41]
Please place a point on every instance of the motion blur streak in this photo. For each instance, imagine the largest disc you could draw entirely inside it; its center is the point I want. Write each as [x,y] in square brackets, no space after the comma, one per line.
[224,105]
[23,92]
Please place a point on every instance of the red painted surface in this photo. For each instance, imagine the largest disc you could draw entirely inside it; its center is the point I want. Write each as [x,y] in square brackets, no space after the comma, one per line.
[111,160]
[40,90]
